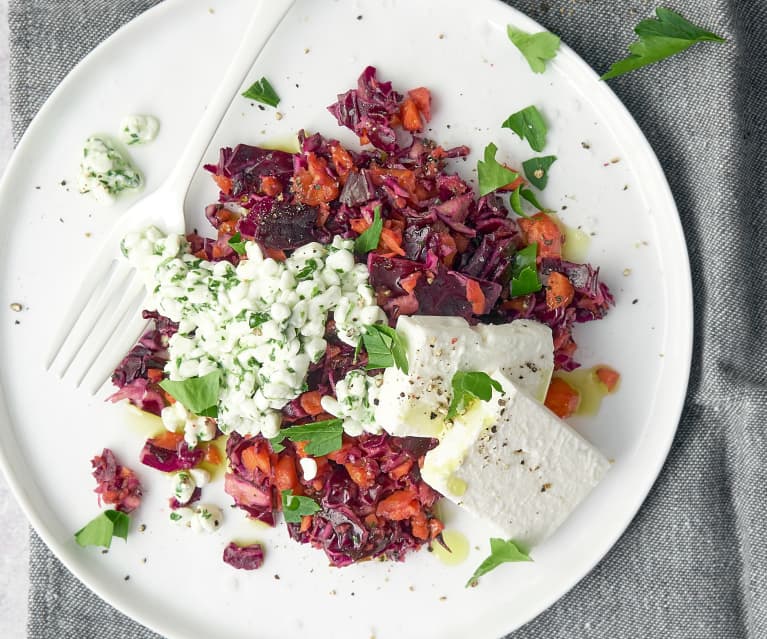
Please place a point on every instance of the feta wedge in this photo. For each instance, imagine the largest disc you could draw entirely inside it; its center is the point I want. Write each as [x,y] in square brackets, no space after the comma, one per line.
[416,403]
[514,463]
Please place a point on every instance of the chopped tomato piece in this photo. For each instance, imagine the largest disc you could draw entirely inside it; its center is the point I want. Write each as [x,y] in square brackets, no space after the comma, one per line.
[559,291]
[227,227]
[154,374]
[435,527]
[362,474]
[419,525]
[315,185]
[512,186]
[359,225]
[475,295]
[542,229]
[400,471]
[212,455]
[404,177]
[391,240]
[561,398]
[342,162]
[168,440]
[409,282]
[608,376]
[306,523]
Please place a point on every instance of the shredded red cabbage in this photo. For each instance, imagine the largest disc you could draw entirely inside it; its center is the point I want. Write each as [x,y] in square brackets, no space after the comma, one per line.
[244,557]
[117,485]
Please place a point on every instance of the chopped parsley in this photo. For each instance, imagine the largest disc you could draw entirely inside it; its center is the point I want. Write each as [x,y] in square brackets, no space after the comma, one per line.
[659,39]
[262,91]
[197,394]
[538,48]
[491,174]
[321,437]
[100,530]
[524,274]
[237,244]
[385,348]
[537,170]
[294,507]
[528,124]
[468,387]
[369,239]
[501,552]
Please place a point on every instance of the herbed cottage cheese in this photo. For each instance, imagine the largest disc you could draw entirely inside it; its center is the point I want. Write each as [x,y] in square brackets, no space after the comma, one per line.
[105,170]
[261,323]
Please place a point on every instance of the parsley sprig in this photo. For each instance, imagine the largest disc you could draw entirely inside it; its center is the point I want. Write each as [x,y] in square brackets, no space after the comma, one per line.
[197,394]
[321,437]
[491,174]
[294,507]
[370,237]
[385,348]
[524,274]
[529,125]
[660,38]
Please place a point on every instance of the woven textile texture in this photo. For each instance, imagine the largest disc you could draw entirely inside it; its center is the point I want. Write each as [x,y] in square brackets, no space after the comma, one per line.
[693,564]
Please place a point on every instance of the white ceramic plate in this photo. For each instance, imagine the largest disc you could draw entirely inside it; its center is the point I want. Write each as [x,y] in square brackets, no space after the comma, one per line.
[166,63]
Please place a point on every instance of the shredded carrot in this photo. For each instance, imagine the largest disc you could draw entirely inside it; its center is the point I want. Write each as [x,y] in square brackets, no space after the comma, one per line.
[310,402]
[359,225]
[511,186]
[270,185]
[168,440]
[224,183]
[392,240]
[410,116]
[561,398]
[419,525]
[400,471]
[256,457]
[212,455]
[475,295]
[422,98]
[399,505]
[154,374]
[608,376]
[542,229]
[409,282]
[285,475]
[361,474]
[315,185]
[306,523]
[227,227]
[278,255]
[343,163]
[559,291]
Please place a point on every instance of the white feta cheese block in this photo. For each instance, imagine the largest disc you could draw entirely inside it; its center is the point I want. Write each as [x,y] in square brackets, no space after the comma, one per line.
[416,403]
[514,463]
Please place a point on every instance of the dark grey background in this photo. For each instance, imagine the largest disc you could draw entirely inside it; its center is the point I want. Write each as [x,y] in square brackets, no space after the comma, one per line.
[694,562]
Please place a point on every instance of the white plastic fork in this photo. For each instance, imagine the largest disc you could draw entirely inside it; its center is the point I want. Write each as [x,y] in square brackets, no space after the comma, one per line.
[103,320]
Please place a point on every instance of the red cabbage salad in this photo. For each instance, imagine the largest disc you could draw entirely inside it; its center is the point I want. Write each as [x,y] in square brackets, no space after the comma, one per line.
[364,328]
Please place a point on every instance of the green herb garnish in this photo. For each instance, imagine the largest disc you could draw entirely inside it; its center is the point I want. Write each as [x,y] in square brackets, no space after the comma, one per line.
[469,387]
[237,244]
[307,272]
[660,38]
[516,202]
[262,91]
[369,239]
[537,170]
[538,48]
[528,124]
[524,274]
[197,394]
[100,530]
[530,197]
[322,437]
[501,552]
[491,174]
[294,507]
[385,348]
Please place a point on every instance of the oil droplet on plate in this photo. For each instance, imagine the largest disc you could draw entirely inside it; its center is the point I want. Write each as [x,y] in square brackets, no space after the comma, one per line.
[143,423]
[576,246]
[459,548]
[592,390]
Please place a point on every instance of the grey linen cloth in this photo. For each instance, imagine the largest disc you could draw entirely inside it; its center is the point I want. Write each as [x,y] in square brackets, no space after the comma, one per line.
[693,563]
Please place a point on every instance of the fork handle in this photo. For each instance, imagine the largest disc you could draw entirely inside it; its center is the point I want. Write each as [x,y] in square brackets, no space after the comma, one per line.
[265,20]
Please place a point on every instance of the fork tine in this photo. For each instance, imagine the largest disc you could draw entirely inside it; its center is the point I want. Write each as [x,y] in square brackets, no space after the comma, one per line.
[92,314]
[108,329]
[93,285]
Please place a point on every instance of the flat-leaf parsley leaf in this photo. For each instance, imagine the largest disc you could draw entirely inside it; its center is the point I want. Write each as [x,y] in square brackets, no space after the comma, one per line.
[538,48]
[528,124]
[501,552]
[237,244]
[196,394]
[294,507]
[469,387]
[262,91]
[660,38]
[524,274]
[369,238]
[491,174]
[100,530]
[385,348]
[537,170]
[321,437]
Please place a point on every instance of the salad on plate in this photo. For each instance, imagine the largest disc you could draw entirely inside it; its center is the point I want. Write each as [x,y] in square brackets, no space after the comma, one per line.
[366,334]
